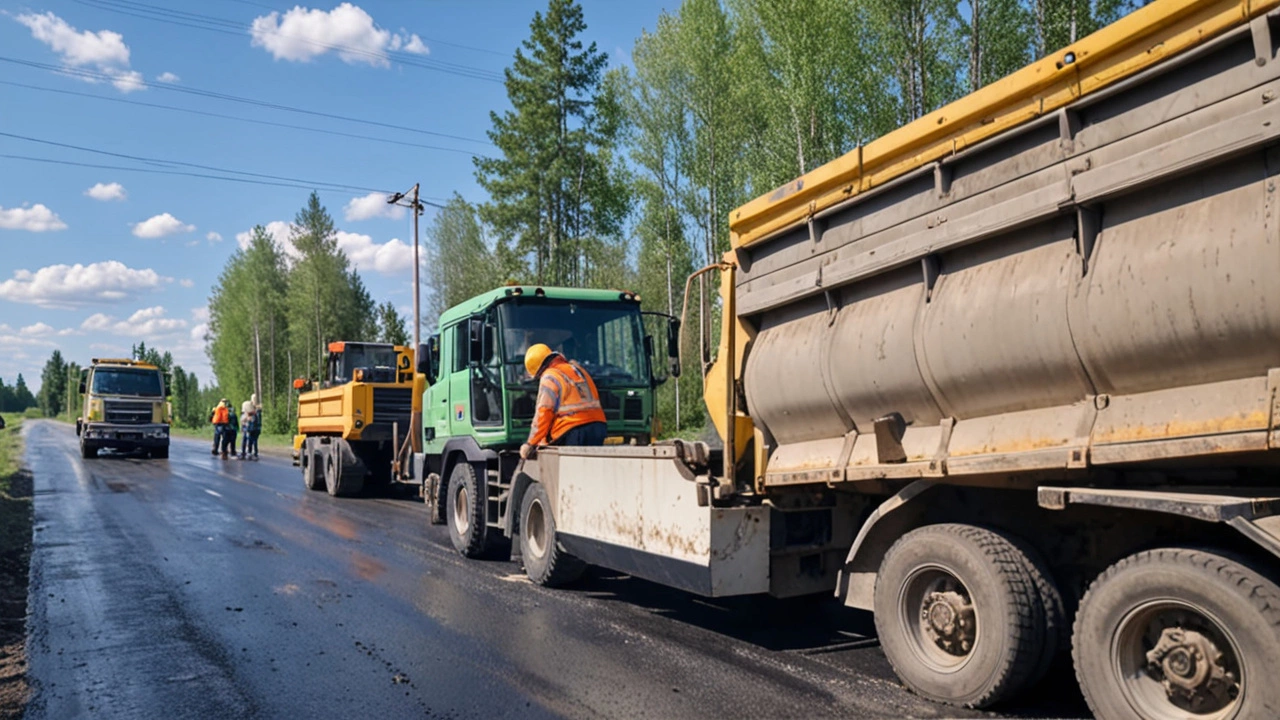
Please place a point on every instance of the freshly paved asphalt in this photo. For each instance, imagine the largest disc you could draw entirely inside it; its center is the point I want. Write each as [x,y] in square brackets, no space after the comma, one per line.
[202,588]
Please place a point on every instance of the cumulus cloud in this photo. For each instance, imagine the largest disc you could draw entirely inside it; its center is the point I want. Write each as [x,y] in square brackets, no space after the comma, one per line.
[302,34]
[107,191]
[146,323]
[161,225]
[104,50]
[186,283]
[373,205]
[167,77]
[393,257]
[283,233]
[36,218]
[69,286]
[213,237]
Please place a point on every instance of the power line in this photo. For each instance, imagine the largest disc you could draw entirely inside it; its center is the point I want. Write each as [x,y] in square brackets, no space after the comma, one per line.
[104,77]
[233,27]
[207,113]
[435,41]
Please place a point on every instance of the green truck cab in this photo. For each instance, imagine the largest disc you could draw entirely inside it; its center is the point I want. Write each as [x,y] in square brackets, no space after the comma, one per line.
[126,408]
[479,405]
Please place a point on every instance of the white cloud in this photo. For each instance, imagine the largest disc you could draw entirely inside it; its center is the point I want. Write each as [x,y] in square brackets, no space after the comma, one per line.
[36,218]
[108,191]
[160,226]
[373,205]
[146,323]
[390,258]
[280,230]
[167,77]
[104,50]
[186,283]
[302,34]
[67,286]
[213,237]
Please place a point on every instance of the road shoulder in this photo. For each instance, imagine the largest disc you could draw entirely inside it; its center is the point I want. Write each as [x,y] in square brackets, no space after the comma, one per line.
[15,559]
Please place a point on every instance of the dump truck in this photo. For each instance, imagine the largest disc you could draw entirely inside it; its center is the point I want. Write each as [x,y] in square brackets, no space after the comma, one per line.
[125,408]
[1008,377]
[352,427]
[479,406]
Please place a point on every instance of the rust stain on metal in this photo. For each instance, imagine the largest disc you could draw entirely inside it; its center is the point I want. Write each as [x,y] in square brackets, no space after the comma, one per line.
[1256,420]
[1017,446]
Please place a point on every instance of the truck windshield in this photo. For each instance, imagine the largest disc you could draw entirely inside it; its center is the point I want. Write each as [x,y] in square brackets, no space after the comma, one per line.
[113,381]
[606,338]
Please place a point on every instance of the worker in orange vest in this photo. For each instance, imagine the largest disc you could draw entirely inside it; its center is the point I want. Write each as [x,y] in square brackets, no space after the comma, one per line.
[221,418]
[568,410]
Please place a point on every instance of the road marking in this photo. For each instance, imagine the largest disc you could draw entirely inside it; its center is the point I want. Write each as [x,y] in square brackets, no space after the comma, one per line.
[212,492]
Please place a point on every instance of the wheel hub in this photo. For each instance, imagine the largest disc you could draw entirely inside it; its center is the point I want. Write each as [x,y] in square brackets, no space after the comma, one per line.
[947,619]
[1192,669]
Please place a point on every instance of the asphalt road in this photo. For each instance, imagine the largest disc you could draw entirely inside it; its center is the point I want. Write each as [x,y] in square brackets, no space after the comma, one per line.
[203,588]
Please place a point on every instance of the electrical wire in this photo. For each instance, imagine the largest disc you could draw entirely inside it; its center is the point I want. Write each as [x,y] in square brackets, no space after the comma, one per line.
[231,27]
[104,77]
[207,113]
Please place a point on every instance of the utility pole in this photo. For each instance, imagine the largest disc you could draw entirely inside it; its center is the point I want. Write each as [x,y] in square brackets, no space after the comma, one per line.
[402,455]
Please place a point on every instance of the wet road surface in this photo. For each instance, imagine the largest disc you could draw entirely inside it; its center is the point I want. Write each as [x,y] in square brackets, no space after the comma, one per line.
[197,587]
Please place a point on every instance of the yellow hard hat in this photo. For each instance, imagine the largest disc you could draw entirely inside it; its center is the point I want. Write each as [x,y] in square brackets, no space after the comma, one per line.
[535,357]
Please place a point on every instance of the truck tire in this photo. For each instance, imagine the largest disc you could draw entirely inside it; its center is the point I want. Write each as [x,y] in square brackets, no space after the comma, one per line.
[545,561]
[88,450]
[466,511]
[340,479]
[1057,629]
[433,494]
[312,461]
[958,615]
[160,453]
[1179,632]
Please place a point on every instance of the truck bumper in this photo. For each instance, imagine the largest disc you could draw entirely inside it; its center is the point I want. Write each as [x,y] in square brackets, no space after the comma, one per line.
[125,437]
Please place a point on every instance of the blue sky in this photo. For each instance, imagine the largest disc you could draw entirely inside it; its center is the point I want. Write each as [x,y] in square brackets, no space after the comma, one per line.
[93,260]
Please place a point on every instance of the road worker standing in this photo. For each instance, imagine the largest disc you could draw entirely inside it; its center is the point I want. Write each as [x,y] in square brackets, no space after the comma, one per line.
[568,410]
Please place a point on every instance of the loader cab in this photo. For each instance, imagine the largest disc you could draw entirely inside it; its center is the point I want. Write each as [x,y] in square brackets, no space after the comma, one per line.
[475,363]
[364,362]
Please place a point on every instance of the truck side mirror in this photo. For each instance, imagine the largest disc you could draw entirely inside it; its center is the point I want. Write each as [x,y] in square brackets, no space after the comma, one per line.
[424,362]
[82,387]
[429,359]
[673,347]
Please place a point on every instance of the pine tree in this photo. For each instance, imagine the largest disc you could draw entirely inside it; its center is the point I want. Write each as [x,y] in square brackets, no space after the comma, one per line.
[22,397]
[53,398]
[391,325]
[556,192]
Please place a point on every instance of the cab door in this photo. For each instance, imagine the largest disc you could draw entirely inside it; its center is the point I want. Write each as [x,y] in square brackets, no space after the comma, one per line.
[458,373]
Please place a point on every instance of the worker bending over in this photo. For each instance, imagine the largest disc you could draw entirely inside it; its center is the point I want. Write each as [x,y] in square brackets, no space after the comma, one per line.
[568,411]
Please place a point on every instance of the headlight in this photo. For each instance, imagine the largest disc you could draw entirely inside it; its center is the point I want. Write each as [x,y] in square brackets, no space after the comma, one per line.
[95,409]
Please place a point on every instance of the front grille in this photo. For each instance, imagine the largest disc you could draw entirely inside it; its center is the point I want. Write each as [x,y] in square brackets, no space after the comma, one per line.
[391,405]
[633,409]
[126,412]
[611,405]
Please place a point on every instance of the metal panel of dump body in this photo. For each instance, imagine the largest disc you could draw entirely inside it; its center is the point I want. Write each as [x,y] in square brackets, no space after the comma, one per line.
[1098,287]
[635,510]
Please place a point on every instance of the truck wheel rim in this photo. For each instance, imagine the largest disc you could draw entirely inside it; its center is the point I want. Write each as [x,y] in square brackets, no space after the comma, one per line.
[535,530]
[1174,659]
[938,618]
[461,514]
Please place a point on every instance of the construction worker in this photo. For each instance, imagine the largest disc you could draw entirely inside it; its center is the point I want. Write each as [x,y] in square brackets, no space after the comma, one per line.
[220,417]
[568,410]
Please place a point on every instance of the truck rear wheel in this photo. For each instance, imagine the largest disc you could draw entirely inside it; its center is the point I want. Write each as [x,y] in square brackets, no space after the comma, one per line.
[1179,633]
[339,479]
[466,516]
[545,561]
[160,453]
[958,615]
[312,462]
[88,450]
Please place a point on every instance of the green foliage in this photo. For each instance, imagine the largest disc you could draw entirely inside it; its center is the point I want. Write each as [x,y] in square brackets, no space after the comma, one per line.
[459,264]
[557,190]
[391,325]
[52,398]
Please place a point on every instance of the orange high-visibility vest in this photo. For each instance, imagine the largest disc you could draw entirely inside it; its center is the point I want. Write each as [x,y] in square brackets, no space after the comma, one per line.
[221,416]
[567,398]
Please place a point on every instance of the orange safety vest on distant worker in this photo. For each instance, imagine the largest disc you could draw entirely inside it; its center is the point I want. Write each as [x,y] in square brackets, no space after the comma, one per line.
[221,416]
[567,398]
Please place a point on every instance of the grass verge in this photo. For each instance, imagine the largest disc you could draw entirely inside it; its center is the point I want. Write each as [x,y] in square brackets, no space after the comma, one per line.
[15,559]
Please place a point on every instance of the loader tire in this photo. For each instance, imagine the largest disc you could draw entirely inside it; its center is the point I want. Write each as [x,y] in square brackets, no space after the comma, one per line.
[340,479]
[311,458]
[545,560]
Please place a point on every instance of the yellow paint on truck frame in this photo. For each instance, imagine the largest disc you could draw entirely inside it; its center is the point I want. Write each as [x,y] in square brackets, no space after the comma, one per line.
[1136,42]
